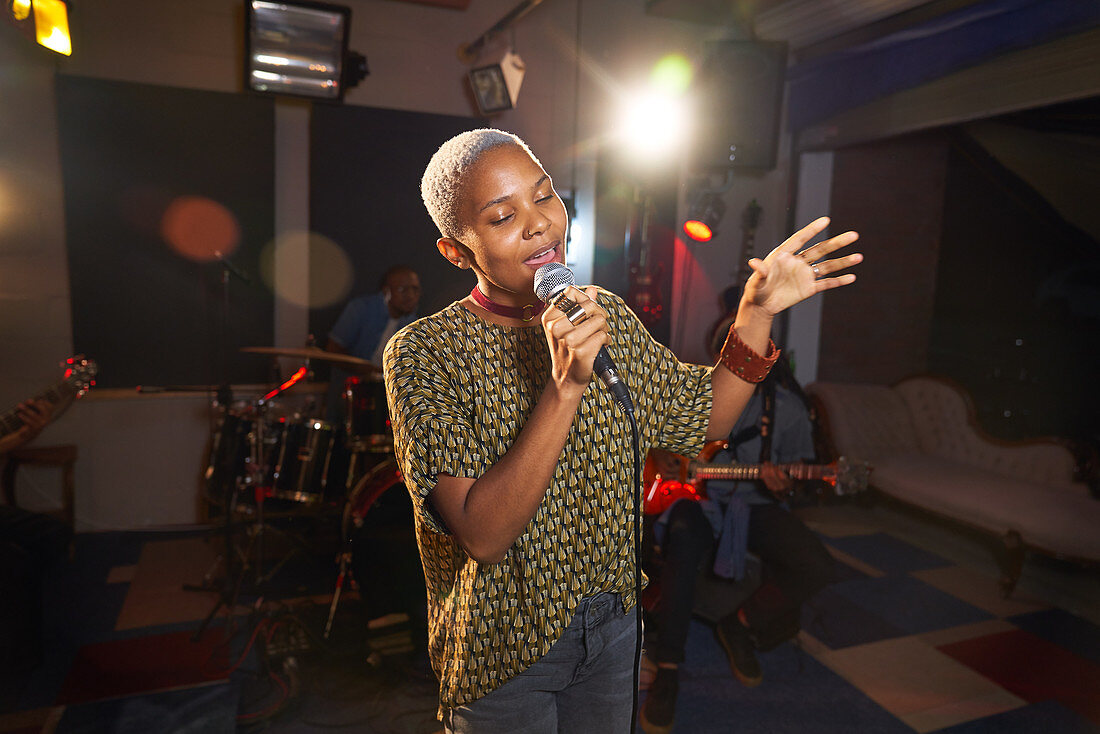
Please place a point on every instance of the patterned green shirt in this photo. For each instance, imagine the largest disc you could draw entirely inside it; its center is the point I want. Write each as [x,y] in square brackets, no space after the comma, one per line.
[460,390]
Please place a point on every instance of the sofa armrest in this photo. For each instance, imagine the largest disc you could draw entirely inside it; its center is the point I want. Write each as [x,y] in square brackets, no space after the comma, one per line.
[1043,461]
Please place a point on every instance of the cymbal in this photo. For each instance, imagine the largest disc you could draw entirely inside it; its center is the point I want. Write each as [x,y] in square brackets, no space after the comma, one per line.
[315,353]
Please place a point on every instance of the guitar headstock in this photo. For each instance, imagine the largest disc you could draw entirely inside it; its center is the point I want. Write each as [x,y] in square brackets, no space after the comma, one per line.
[851,476]
[80,373]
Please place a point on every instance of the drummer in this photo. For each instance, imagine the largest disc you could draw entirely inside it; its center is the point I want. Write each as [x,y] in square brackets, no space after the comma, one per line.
[367,323]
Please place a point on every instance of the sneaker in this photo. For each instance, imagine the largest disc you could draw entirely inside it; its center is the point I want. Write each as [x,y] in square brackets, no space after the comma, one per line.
[660,703]
[739,649]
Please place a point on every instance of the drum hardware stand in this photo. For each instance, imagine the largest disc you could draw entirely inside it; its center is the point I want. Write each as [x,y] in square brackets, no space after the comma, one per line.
[230,587]
[341,579]
[344,559]
[368,481]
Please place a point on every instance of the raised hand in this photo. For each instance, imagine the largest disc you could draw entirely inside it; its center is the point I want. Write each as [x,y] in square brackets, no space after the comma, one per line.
[790,274]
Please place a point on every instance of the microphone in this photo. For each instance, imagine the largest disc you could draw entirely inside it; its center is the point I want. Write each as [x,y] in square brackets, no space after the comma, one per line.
[551,281]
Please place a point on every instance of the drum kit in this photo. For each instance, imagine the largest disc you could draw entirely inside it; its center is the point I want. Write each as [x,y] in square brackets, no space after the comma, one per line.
[267,461]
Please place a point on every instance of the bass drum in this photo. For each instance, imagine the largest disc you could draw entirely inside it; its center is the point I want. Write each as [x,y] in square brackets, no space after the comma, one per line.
[385,560]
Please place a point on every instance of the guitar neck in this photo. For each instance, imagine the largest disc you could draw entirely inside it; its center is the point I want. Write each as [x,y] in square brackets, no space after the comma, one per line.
[11,422]
[738,472]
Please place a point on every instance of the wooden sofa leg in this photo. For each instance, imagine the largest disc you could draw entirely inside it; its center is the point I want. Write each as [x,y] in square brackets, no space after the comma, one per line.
[1010,559]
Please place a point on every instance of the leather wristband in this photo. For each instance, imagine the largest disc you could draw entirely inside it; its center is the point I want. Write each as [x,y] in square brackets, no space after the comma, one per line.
[743,362]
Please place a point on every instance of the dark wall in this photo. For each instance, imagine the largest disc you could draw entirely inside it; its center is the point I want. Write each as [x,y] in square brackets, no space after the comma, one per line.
[1016,318]
[144,312]
[365,169]
[970,274]
[892,193]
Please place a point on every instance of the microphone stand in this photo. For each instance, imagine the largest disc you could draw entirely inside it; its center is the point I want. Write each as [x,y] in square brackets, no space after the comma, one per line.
[230,586]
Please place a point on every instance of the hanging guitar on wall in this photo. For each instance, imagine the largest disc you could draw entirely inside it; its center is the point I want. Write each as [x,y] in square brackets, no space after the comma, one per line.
[716,337]
[644,294]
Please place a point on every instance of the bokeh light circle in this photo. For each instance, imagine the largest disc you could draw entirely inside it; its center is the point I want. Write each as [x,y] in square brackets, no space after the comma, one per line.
[312,271]
[200,229]
[673,74]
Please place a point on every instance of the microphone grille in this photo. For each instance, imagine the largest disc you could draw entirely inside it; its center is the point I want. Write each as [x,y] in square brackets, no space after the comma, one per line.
[552,278]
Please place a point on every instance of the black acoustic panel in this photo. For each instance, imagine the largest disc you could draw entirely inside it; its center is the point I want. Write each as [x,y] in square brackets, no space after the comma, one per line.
[365,169]
[145,313]
[738,100]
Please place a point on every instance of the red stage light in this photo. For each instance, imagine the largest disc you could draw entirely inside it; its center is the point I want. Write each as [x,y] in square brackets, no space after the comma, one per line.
[698,231]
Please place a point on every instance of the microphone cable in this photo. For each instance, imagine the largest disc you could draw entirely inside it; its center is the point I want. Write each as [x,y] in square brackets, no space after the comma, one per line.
[636,443]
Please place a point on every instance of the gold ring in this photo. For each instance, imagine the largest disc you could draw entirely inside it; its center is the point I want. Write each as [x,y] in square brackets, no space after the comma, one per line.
[577,314]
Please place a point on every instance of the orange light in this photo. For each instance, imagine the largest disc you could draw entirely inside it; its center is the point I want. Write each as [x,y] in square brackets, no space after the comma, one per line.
[51,26]
[200,229]
[20,9]
[291,382]
[697,230]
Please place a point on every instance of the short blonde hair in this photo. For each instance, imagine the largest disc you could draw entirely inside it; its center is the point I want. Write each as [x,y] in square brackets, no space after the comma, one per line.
[441,185]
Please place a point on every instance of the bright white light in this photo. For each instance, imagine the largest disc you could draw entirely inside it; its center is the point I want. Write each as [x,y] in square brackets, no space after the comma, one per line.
[654,122]
[273,60]
[266,75]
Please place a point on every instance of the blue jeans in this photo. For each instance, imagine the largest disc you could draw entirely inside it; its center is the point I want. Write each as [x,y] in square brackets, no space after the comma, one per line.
[583,684]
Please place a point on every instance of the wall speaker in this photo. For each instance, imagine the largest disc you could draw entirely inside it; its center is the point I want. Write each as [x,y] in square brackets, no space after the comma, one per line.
[738,96]
[496,84]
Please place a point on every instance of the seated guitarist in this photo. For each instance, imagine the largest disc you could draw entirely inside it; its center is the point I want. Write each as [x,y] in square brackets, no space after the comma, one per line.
[32,415]
[738,516]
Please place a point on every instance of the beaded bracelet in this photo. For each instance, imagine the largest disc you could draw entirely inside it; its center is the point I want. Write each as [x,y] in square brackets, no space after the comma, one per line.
[739,358]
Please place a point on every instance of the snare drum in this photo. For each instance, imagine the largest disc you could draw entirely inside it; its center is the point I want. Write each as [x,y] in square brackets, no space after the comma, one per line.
[367,416]
[311,465]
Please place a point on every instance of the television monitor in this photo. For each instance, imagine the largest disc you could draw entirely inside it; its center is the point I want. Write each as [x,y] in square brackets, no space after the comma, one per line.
[296,48]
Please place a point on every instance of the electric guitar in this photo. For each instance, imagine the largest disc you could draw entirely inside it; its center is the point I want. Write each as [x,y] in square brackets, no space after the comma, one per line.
[79,376]
[661,490]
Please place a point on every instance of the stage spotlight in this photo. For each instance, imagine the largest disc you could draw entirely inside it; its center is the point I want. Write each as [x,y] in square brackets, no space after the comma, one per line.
[46,21]
[496,85]
[654,123]
[20,9]
[300,49]
[51,26]
[704,215]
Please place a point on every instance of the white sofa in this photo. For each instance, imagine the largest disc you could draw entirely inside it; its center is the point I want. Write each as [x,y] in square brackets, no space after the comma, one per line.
[928,451]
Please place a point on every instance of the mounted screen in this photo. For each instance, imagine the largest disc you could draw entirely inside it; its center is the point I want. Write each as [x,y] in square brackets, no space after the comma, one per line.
[296,48]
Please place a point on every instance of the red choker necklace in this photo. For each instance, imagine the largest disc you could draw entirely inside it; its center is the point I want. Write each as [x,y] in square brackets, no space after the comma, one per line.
[523,313]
